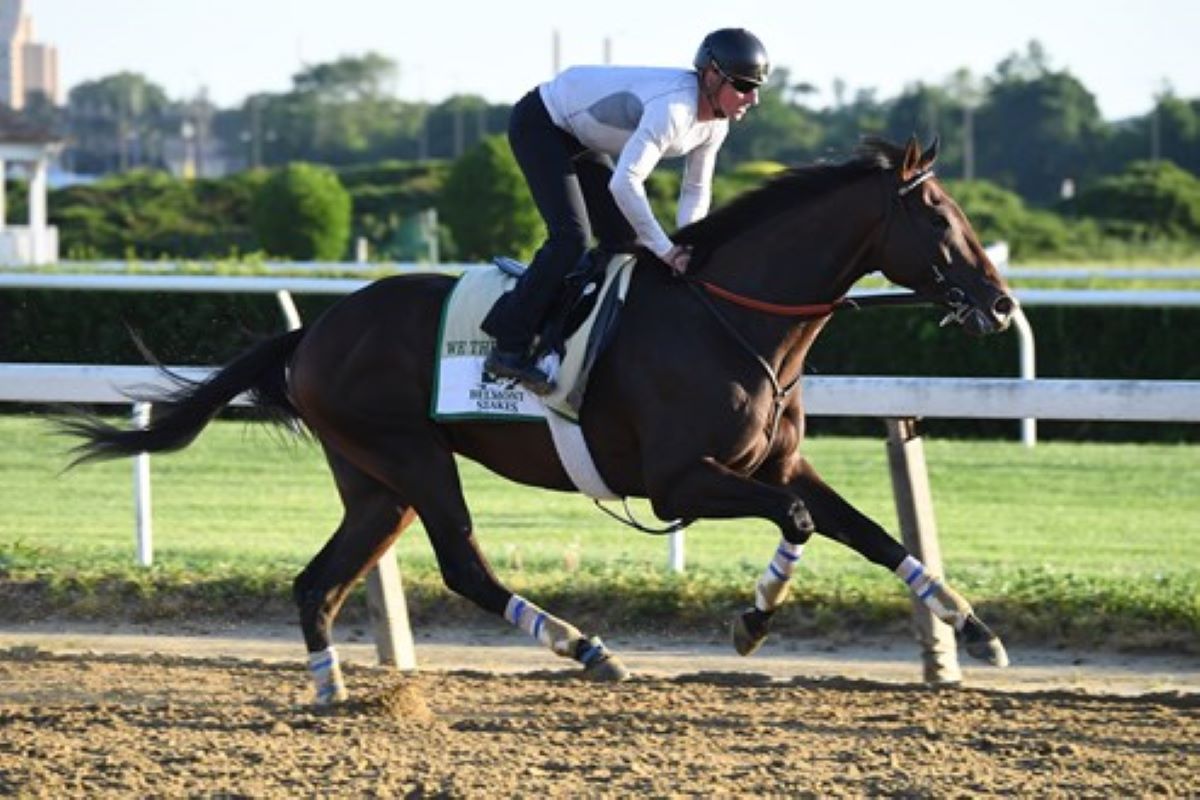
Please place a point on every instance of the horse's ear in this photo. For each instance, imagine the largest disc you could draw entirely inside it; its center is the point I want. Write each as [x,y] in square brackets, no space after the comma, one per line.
[930,155]
[912,159]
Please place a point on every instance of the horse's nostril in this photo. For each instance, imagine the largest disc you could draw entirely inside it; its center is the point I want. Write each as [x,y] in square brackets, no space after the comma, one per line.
[1003,307]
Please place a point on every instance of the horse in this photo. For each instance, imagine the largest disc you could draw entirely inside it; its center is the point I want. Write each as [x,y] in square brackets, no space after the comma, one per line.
[695,404]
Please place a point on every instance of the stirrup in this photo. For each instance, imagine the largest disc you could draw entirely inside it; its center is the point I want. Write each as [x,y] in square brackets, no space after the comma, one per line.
[527,374]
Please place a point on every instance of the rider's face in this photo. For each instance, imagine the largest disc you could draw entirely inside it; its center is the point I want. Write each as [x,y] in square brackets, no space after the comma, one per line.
[735,103]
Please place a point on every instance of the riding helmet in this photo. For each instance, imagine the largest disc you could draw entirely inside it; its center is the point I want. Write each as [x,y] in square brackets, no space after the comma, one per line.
[737,52]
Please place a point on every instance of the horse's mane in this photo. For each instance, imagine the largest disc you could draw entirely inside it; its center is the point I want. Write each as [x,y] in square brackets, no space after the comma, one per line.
[786,190]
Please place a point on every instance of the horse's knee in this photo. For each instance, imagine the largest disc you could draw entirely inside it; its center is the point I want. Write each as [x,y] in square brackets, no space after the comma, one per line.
[797,524]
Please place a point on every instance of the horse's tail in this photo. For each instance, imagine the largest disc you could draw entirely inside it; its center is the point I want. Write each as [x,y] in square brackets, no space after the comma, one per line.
[260,372]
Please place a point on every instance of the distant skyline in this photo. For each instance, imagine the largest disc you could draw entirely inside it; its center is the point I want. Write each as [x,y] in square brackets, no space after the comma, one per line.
[1124,52]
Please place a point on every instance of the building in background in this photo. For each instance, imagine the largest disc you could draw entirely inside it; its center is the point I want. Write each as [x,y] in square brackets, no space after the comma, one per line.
[31,149]
[26,67]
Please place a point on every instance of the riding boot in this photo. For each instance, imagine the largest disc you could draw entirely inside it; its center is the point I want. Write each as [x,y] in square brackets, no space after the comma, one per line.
[518,365]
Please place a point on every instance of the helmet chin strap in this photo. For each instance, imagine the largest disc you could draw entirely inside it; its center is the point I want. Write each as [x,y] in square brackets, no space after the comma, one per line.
[711,97]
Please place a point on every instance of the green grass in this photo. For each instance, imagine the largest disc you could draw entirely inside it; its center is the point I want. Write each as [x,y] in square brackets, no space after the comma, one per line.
[1069,542]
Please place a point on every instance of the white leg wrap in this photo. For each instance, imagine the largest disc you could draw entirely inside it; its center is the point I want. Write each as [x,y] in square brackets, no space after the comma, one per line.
[548,629]
[944,602]
[772,587]
[327,676]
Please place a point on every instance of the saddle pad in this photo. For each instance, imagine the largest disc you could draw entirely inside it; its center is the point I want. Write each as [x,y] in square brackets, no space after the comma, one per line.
[460,388]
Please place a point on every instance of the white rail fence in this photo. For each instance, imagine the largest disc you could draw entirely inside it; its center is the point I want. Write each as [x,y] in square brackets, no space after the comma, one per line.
[283,288]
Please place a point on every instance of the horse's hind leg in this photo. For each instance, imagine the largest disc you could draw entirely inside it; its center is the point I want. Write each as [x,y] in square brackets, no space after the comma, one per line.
[415,471]
[443,511]
[834,517]
[373,518]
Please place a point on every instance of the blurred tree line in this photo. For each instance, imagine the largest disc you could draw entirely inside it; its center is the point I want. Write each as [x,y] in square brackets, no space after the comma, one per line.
[1033,161]
[1026,127]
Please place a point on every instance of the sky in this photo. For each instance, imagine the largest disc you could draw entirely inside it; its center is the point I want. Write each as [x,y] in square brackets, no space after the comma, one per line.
[1125,53]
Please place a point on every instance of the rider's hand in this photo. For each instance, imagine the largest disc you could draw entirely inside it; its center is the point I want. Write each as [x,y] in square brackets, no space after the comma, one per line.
[677,258]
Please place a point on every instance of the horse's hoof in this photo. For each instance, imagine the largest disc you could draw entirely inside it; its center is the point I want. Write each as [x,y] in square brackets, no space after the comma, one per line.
[749,631]
[599,663]
[332,697]
[982,644]
[606,670]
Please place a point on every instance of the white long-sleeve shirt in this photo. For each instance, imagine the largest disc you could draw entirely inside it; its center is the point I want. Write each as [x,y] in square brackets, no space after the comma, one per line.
[640,115]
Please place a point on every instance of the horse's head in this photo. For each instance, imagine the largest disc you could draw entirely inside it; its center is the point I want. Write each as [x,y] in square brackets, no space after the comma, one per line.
[928,245]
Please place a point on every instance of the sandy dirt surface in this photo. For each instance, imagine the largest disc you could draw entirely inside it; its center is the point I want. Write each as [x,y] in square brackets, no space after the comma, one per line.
[129,712]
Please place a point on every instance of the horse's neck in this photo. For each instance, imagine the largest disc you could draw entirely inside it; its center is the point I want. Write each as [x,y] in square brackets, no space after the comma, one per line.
[809,254]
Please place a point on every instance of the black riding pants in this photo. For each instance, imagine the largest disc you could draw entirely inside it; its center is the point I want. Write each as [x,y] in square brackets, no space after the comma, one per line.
[569,184]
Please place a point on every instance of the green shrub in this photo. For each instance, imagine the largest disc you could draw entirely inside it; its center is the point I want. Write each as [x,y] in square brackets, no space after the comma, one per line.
[1000,215]
[151,215]
[303,212]
[1157,196]
[486,204]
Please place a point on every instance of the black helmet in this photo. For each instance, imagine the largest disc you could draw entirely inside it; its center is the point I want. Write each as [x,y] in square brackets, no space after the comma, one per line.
[738,54]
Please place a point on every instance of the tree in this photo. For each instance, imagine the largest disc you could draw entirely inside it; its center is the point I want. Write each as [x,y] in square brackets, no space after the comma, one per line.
[336,113]
[928,111]
[486,204]
[1175,131]
[117,122]
[370,77]
[454,126]
[303,212]
[1037,128]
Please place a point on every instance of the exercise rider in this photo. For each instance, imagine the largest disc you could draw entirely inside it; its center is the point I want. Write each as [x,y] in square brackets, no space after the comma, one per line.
[566,133]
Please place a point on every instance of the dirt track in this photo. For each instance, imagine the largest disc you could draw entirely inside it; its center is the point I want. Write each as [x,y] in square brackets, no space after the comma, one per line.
[94,725]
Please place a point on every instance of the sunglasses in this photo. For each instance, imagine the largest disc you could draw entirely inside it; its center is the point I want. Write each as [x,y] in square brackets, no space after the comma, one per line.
[740,84]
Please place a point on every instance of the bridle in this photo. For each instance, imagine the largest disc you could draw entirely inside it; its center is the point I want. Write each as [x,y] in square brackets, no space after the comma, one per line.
[946,292]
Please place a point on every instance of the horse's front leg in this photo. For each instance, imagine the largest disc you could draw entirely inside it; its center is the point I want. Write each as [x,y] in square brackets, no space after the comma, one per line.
[833,516]
[712,491]
[709,490]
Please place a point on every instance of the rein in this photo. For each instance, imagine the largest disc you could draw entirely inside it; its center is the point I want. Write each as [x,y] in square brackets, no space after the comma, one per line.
[812,310]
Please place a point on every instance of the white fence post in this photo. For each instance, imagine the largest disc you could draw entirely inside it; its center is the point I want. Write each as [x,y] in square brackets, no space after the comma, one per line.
[676,556]
[143,524]
[1028,371]
[388,611]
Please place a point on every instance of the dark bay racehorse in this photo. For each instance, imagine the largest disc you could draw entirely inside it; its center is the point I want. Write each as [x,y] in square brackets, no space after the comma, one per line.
[694,405]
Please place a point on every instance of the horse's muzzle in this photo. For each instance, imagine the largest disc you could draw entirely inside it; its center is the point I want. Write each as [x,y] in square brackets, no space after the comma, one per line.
[978,319]
[994,319]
